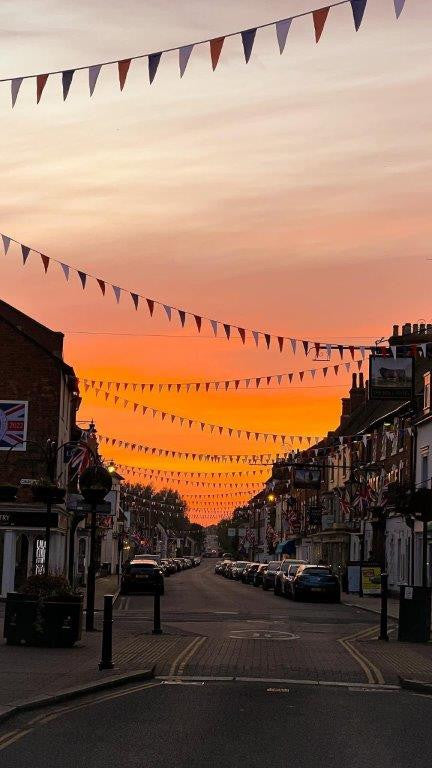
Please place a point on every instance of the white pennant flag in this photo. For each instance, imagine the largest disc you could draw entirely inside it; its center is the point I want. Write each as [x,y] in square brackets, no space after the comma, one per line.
[66,269]
[184,55]
[347,366]
[168,311]
[6,243]
[15,86]
[117,292]
[362,352]
[214,325]
[282,29]
[93,76]
[294,345]
[399,6]
[279,378]
[255,335]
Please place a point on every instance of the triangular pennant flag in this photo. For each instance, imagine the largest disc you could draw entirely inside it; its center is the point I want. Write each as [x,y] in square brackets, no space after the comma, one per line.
[66,269]
[242,334]
[290,376]
[117,292]
[182,316]
[399,6]
[325,371]
[282,29]
[40,85]
[6,243]
[319,19]
[347,366]
[301,375]
[150,304]
[267,339]
[66,81]
[255,335]
[305,346]
[101,284]
[248,39]
[281,343]
[359,364]
[83,277]
[313,373]
[358,9]
[168,310]
[135,299]
[25,250]
[227,329]
[153,63]
[184,55]
[198,320]
[45,262]
[257,382]
[94,71]
[15,86]
[351,349]
[215,50]
[214,325]
[293,345]
[341,351]
[123,69]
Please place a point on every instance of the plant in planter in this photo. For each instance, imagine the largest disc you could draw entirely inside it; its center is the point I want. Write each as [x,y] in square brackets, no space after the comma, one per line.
[46,611]
[8,492]
[45,490]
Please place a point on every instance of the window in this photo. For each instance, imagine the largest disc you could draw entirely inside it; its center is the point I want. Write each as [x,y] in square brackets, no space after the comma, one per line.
[424,471]
[426,397]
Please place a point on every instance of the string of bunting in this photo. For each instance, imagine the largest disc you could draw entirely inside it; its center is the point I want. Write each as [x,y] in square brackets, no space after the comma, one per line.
[169,311]
[185,474]
[174,481]
[282,27]
[253,382]
[143,409]
[246,458]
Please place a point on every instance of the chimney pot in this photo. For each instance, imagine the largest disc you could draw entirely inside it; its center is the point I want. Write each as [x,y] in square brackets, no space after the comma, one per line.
[395,330]
[422,327]
[429,328]
[361,381]
[354,381]
[415,327]
[406,329]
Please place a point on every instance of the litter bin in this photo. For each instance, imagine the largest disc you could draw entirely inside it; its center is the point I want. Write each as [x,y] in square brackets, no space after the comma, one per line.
[414,614]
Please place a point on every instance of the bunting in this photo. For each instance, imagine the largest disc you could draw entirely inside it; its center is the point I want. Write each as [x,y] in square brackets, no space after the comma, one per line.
[231,332]
[247,36]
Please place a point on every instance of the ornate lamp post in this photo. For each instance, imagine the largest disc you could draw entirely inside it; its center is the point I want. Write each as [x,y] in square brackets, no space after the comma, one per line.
[94,483]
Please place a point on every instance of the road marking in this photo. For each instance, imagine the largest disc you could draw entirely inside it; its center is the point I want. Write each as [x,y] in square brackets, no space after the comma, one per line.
[187,658]
[287,681]
[8,735]
[180,656]
[368,667]
[363,689]
[228,613]
[262,634]
[182,682]
[13,739]
[278,690]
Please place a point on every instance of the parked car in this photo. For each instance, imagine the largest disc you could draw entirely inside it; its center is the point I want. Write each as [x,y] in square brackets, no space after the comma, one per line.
[258,575]
[178,563]
[142,576]
[315,581]
[270,573]
[285,574]
[219,567]
[147,556]
[197,560]
[227,571]
[249,572]
[238,568]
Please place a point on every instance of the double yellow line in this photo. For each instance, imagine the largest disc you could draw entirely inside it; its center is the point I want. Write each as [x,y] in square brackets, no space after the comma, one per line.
[178,665]
[373,674]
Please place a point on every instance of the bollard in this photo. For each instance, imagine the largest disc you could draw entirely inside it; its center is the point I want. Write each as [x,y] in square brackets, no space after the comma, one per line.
[383,624]
[157,629]
[106,661]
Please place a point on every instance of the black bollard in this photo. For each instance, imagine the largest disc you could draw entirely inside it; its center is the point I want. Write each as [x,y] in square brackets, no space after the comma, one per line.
[383,628]
[106,661]
[157,629]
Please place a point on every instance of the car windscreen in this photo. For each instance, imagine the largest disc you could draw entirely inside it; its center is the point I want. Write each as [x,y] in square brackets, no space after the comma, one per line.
[140,569]
[293,569]
[274,566]
[317,571]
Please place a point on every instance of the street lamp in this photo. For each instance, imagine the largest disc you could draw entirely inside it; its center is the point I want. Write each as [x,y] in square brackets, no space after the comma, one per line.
[94,483]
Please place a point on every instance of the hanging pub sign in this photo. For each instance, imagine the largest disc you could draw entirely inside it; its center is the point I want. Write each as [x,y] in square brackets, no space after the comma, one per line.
[391,378]
[306,477]
[13,425]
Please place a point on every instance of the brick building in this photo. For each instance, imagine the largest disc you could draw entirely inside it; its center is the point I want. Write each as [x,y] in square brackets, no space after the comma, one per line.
[39,398]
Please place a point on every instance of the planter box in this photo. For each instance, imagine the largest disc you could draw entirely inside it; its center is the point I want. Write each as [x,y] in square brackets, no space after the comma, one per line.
[53,622]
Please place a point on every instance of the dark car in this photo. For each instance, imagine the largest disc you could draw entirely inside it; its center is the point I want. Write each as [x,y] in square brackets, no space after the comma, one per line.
[258,575]
[285,574]
[269,575]
[142,576]
[315,581]
[249,573]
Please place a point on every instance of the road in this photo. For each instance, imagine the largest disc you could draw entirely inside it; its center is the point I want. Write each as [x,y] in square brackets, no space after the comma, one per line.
[293,693]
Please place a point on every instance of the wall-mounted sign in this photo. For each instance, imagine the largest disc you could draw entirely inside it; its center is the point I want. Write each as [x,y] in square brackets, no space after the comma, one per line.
[306,477]
[391,378]
[13,425]
[231,533]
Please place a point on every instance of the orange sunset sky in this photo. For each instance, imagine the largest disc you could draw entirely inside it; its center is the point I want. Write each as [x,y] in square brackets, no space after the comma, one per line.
[291,195]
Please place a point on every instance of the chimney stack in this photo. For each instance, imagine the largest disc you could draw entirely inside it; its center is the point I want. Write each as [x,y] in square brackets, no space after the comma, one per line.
[395,330]
[406,329]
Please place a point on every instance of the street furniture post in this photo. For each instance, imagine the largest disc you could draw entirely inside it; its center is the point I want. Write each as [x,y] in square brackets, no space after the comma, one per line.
[106,661]
[384,596]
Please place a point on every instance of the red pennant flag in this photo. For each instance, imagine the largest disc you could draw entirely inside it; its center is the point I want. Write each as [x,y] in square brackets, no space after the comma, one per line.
[45,261]
[281,343]
[305,346]
[290,376]
[341,351]
[101,284]
[359,364]
[227,329]
[301,374]
[242,334]
[319,20]
[325,371]
[351,349]
[123,69]
[150,304]
[269,378]
[236,383]
[135,299]
[215,50]
[198,320]
[40,85]
[268,339]
[317,348]
[257,382]
[336,369]
[182,316]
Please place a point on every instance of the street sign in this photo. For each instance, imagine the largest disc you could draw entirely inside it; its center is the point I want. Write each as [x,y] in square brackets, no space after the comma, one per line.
[104,508]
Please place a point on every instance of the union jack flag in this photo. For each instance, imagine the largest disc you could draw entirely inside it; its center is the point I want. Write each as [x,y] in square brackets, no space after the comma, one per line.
[345,503]
[365,497]
[83,454]
[13,425]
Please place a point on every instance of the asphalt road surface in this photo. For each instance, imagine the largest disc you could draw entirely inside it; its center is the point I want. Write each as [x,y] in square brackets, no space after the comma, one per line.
[295,692]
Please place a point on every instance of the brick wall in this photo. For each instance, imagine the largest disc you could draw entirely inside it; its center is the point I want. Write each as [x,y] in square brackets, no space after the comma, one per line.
[28,372]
